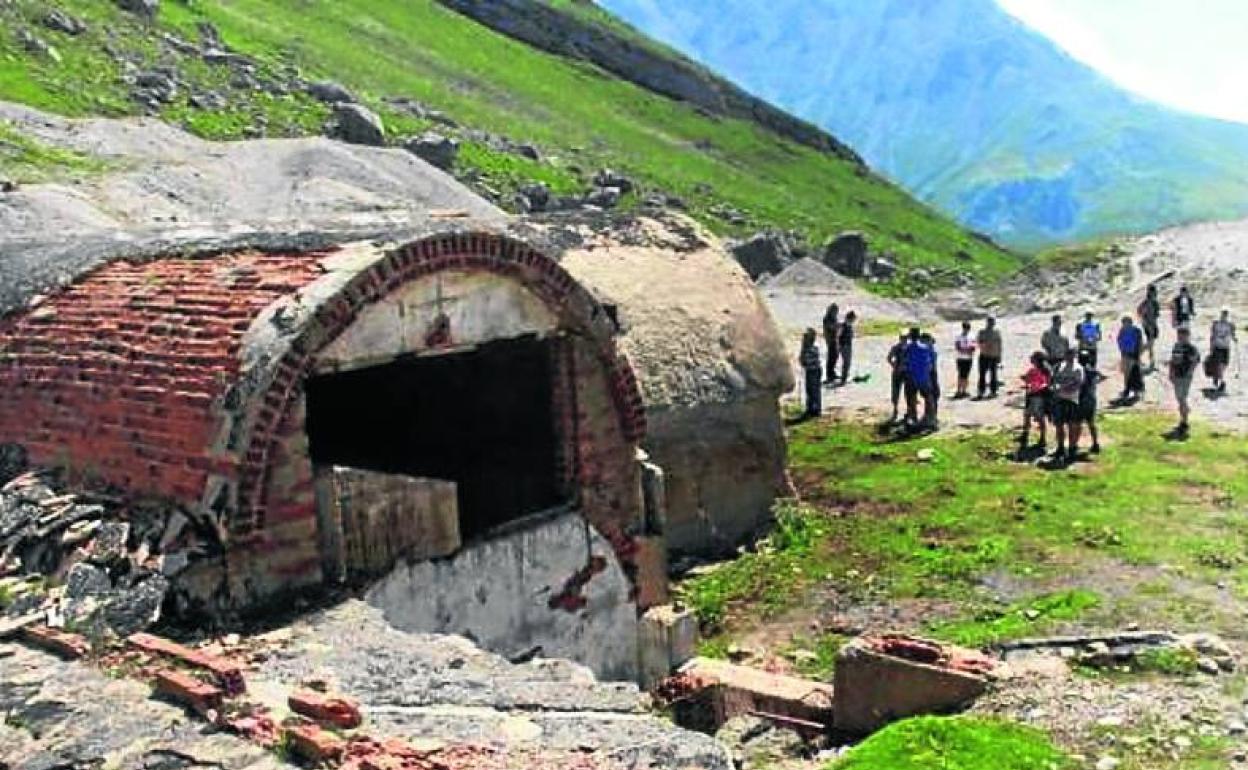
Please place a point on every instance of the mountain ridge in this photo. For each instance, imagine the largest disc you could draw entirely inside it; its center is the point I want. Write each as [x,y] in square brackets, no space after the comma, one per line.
[972,111]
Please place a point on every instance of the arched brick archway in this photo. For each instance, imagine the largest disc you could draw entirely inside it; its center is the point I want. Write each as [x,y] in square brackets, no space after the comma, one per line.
[489,252]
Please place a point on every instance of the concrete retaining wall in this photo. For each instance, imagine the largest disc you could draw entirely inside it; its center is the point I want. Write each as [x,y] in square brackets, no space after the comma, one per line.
[554,584]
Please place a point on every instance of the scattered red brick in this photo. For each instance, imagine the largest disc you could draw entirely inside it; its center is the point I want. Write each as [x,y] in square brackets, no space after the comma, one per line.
[932,653]
[201,697]
[314,743]
[257,727]
[331,709]
[227,673]
[62,643]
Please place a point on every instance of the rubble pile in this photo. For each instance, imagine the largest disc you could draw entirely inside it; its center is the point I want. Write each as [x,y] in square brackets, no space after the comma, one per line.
[83,561]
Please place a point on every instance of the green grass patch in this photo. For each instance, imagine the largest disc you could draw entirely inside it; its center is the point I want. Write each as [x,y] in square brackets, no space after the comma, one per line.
[958,743]
[27,160]
[881,522]
[581,117]
[1031,618]
[883,327]
[816,658]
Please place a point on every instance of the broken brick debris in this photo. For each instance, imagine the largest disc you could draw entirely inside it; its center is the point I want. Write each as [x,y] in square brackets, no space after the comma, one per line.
[885,678]
[741,691]
[933,653]
[227,673]
[335,710]
[203,698]
[259,728]
[62,643]
[314,743]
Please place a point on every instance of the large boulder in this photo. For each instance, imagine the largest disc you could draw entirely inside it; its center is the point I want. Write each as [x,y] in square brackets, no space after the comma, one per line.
[766,253]
[847,254]
[356,124]
[435,149]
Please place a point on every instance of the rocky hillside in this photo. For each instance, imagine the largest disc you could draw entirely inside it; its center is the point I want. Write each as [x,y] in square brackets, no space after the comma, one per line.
[973,111]
[529,129]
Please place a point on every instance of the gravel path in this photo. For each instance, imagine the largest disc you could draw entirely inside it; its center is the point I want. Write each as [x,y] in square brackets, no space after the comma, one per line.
[797,308]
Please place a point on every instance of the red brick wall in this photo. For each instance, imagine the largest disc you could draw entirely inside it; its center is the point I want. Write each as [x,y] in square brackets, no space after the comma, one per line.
[117,375]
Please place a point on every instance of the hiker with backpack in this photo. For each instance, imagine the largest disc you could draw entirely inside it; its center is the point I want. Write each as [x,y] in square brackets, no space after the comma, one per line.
[990,350]
[1184,359]
[964,347]
[1222,338]
[812,370]
[1067,386]
[1088,337]
[1087,402]
[1131,347]
[1149,311]
[1036,381]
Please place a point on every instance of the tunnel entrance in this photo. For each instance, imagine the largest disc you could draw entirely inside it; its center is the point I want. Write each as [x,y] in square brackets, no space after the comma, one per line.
[483,419]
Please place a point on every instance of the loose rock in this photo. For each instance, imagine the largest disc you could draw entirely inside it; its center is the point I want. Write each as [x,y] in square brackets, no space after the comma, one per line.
[63,22]
[435,149]
[330,92]
[356,124]
[145,8]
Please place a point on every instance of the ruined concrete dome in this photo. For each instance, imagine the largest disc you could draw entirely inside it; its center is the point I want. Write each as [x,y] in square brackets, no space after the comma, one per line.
[463,395]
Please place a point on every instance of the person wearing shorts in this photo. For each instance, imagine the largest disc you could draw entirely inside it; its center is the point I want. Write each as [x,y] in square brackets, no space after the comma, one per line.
[1067,385]
[964,348]
[1184,359]
[1222,338]
[1036,382]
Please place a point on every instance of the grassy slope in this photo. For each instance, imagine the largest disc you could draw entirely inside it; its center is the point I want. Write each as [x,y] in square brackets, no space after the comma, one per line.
[581,117]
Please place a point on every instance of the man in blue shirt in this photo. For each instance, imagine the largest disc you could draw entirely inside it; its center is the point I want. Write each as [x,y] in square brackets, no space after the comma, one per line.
[1088,334]
[1131,347]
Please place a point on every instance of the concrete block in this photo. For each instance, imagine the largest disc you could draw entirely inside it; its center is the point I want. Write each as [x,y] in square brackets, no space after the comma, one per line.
[743,691]
[882,679]
[668,639]
[388,517]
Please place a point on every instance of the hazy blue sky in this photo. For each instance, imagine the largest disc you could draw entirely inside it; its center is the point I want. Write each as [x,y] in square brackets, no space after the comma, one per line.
[1191,54]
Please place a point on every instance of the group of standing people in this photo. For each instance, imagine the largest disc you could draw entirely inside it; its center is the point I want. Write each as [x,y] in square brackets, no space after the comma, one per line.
[838,336]
[1060,384]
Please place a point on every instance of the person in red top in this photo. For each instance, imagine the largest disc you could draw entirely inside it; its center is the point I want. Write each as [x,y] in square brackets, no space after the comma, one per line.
[1037,380]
